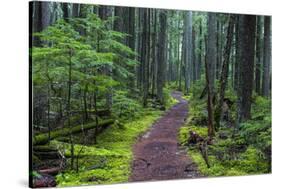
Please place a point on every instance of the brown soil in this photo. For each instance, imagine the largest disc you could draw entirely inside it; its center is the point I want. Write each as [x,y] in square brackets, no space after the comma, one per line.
[158,155]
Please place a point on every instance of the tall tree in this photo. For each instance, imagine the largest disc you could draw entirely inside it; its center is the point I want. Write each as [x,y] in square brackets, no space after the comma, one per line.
[210,72]
[188,49]
[259,53]
[201,43]
[161,54]
[237,54]
[247,30]
[75,10]
[154,53]
[65,10]
[267,56]
[224,71]
[146,51]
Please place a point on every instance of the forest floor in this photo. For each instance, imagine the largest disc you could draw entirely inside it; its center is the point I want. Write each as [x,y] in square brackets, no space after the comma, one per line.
[158,154]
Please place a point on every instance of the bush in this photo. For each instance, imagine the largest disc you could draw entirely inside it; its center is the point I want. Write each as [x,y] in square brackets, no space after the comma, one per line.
[169,101]
[252,161]
[125,107]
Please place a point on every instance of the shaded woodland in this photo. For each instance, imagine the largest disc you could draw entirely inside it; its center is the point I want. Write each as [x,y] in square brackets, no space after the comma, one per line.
[101,75]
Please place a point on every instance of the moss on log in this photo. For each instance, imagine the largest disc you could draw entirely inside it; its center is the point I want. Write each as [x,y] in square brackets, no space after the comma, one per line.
[44,148]
[47,155]
[41,139]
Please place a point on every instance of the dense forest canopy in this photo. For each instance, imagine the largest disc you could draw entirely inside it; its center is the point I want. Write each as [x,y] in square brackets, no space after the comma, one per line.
[97,69]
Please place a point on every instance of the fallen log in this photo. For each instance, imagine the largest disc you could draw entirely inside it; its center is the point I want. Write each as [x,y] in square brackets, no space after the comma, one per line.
[51,171]
[41,139]
[47,155]
[100,113]
[44,148]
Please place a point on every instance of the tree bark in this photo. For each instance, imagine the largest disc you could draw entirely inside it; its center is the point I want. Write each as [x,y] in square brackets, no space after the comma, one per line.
[267,56]
[247,45]
[75,10]
[224,71]
[161,55]
[65,11]
[188,49]
[210,65]
[258,56]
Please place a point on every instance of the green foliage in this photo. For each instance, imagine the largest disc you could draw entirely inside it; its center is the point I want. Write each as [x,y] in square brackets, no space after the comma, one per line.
[85,53]
[252,161]
[125,107]
[169,101]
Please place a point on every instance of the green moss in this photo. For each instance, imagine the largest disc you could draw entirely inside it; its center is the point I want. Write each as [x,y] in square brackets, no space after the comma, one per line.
[169,101]
[43,138]
[108,161]
[186,97]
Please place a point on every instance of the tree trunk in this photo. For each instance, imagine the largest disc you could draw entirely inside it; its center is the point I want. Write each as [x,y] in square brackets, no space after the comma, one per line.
[65,11]
[200,57]
[188,49]
[247,45]
[267,56]
[224,71]
[237,55]
[146,55]
[210,65]
[69,107]
[154,53]
[161,55]
[75,10]
[143,56]
[258,55]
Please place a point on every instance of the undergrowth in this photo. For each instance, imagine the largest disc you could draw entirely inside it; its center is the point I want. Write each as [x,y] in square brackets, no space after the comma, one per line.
[243,151]
[109,161]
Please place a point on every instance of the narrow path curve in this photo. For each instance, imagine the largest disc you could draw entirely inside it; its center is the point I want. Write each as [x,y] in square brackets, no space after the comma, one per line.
[157,154]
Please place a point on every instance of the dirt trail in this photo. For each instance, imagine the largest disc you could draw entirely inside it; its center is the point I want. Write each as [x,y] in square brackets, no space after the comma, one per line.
[157,154]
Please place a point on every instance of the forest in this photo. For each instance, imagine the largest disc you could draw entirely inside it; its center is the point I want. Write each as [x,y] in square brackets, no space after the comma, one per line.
[124,94]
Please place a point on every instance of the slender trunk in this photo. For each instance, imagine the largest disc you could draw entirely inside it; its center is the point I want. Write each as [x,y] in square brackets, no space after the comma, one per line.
[267,56]
[96,115]
[210,69]
[237,55]
[75,10]
[48,113]
[69,108]
[154,53]
[85,103]
[188,49]
[224,71]
[161,55]
[258,56]
[200,51]
[65,11]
